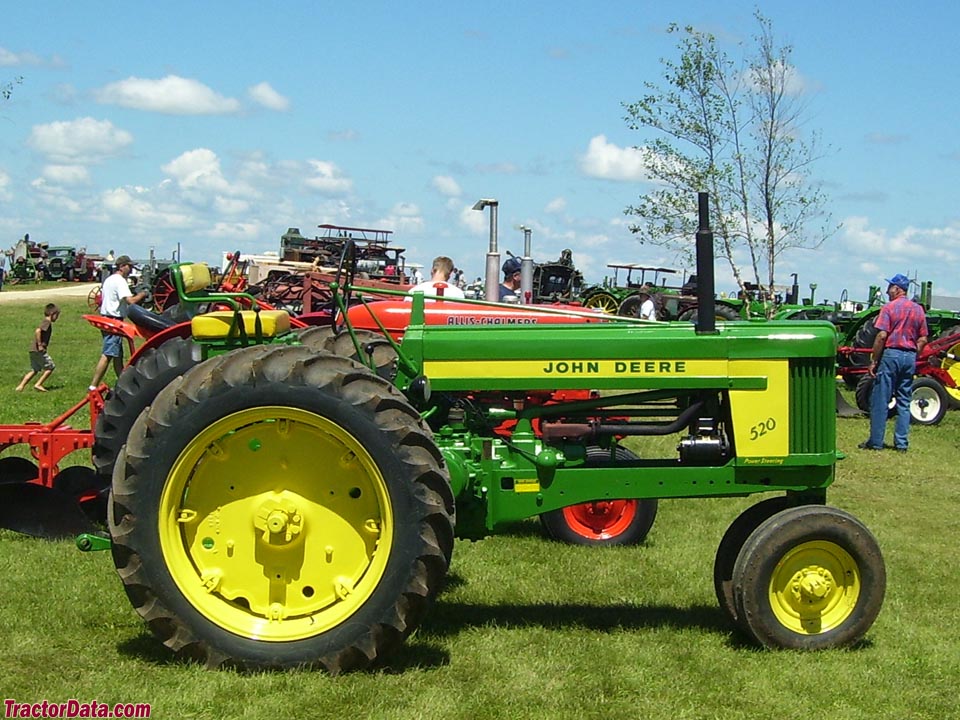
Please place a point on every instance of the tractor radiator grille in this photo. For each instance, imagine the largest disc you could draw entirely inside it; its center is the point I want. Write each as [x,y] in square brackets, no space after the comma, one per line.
[812,406]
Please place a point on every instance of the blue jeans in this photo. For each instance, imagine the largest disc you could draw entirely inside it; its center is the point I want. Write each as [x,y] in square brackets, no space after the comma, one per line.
[894,380]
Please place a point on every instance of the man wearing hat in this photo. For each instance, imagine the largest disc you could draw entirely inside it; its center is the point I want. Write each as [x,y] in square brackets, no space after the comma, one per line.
[902,327]
[114,292]
[648,310]
[511,279]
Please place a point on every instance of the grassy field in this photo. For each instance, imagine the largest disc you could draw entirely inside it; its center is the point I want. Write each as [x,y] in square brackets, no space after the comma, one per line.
[525,628]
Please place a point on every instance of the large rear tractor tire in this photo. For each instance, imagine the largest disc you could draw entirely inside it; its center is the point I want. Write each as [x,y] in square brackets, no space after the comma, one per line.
[603,522]
[723,313]
[809,577]
[135,390]
[277,507]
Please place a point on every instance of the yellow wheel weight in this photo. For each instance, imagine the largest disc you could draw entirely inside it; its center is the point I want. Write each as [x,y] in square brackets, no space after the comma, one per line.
[275,523]
[815,587]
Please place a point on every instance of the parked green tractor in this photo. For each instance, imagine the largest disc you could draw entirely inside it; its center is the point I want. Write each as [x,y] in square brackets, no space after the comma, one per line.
[672,302]
[281,505]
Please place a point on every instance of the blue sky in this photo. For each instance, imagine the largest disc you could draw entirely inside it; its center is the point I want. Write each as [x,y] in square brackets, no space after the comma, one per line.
[219,125]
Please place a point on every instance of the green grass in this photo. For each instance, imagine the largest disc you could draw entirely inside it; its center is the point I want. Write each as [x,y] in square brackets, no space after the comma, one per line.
[525,628]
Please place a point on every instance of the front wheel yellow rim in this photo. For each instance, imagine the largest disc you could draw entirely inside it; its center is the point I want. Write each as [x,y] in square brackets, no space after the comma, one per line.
[815,587]
[275,523]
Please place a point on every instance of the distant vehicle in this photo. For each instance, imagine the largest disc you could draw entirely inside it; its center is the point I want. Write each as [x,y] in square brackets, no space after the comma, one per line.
[67,263]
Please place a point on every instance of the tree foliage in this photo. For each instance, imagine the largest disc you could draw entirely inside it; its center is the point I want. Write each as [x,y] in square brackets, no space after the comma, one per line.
[6,89]
[735,130]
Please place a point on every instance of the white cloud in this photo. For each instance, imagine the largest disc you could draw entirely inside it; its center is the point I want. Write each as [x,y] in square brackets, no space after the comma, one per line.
[8,58]
[610,162]
[348,135]
[5,193]
[475,221]
[404,218]
[263,94]
[67,174]
[557,205]
[446,185]
[133,205]
[230,206]
[327,178]
[80,141]
[197,169]
[237,231]
[172,95]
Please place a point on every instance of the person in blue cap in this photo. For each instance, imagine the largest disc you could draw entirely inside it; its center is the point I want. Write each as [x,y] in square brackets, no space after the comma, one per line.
[510,287]
[902,327]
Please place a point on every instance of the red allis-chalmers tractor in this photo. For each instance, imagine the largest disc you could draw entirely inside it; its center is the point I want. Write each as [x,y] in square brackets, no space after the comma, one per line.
[277,504]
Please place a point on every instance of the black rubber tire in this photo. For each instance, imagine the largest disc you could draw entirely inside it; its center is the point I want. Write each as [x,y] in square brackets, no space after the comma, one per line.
[732,543]
[864,338]
[14,469]
[630,307]
[557,526]
[365,407]
[724,313]
[135,390]
[374,346]
[767,557]
[863,393]
[315,337]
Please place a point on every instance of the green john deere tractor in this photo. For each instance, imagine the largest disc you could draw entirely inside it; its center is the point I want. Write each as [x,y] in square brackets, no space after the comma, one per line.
[672,302]
[277,504]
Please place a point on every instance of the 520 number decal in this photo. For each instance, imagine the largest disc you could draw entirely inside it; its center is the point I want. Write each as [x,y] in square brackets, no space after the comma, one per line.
[762,428]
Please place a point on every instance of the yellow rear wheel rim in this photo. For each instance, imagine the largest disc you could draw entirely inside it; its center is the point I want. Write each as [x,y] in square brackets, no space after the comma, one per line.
[815,587]
[606,303]
[275,523]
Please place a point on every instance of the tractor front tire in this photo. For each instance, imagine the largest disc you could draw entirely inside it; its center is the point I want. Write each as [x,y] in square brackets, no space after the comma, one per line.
[277,507]
[732,543]
[603,522]
[809,578]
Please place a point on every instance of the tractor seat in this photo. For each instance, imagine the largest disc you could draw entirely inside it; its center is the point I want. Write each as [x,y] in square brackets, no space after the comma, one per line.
[148,320]
[217,325]
[195,277]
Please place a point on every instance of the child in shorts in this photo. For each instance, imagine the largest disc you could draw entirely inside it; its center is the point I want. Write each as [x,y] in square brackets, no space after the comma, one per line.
[40,360]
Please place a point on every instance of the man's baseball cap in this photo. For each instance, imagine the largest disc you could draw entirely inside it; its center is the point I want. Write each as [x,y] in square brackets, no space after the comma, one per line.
[123,260]
[511,266]
[901,281]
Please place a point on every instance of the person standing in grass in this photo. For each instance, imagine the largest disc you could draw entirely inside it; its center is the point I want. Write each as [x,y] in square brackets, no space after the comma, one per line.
[40,360]
[902,327]
[115,294]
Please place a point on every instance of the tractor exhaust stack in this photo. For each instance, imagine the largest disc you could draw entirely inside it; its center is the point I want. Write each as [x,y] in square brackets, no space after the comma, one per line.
[706,307]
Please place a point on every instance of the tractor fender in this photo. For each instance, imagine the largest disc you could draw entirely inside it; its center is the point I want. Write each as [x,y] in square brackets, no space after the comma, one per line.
[181,330]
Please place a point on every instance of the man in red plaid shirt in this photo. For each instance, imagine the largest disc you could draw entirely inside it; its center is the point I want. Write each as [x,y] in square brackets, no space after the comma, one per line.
[902,327]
